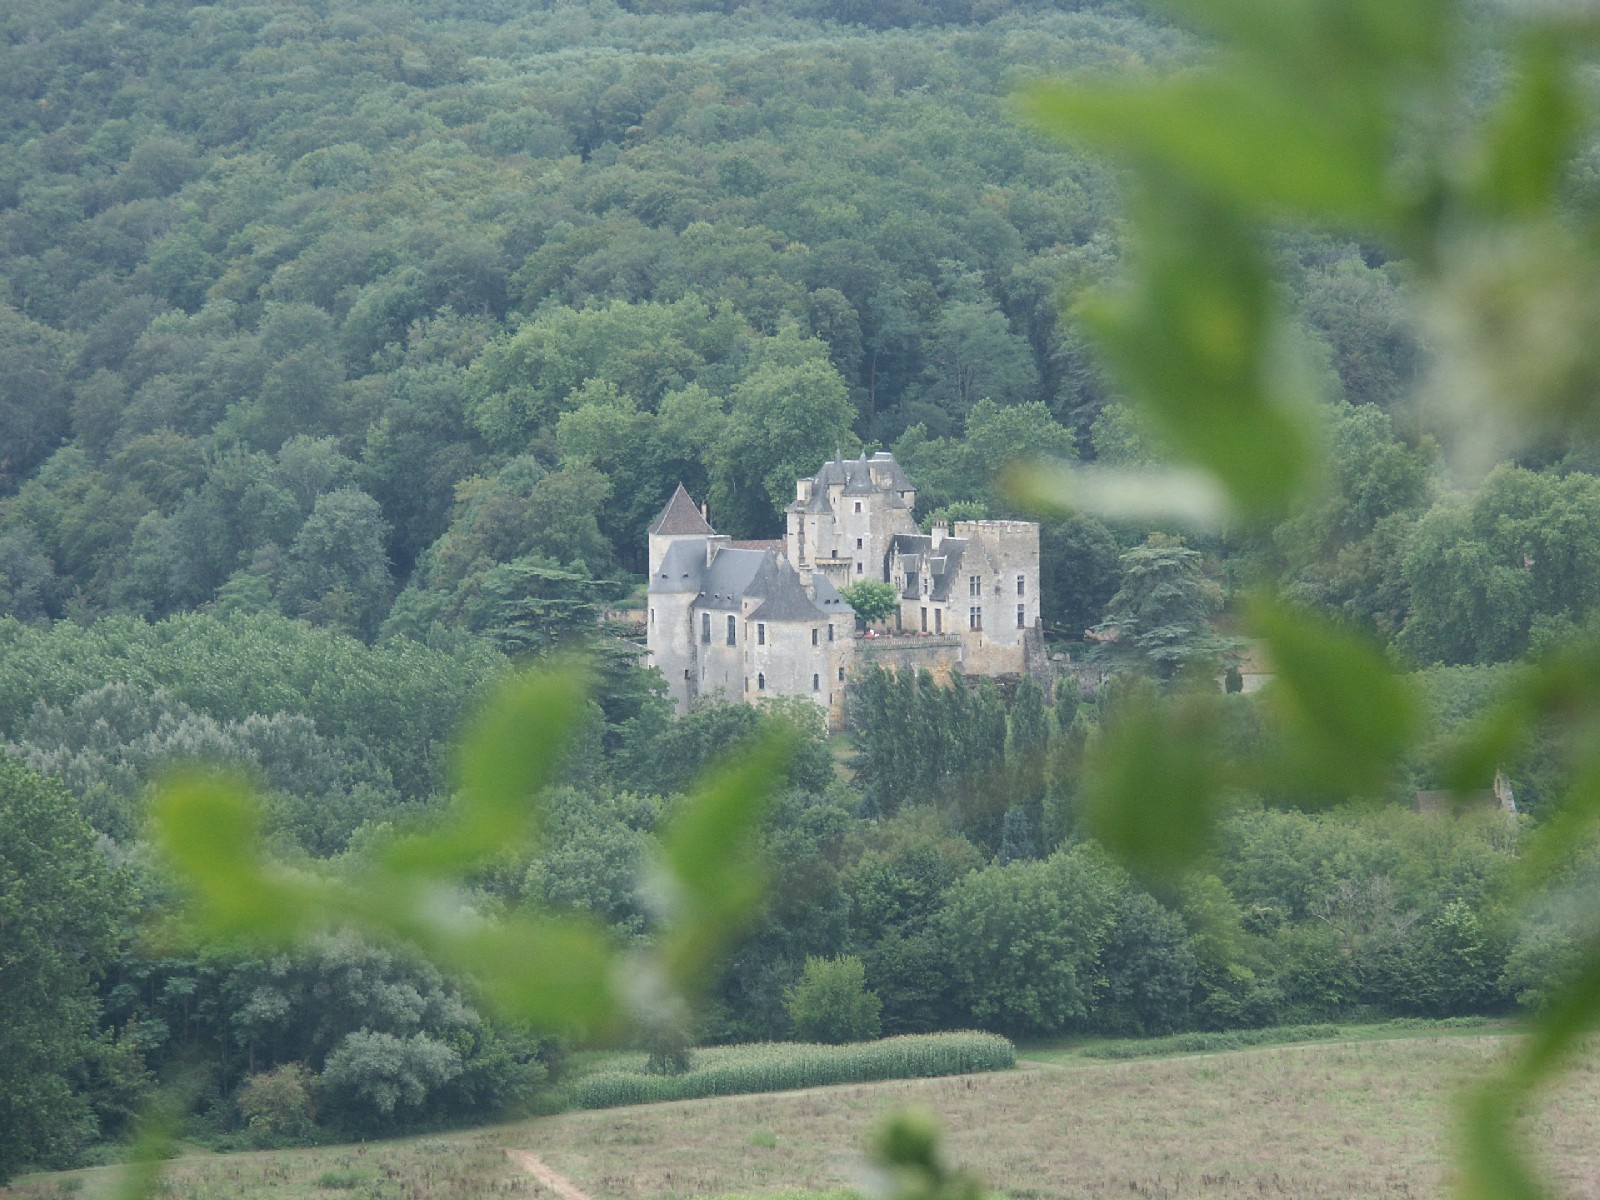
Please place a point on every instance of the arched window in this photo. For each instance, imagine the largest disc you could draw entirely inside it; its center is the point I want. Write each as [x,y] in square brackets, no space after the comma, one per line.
[761,681]
[816,683]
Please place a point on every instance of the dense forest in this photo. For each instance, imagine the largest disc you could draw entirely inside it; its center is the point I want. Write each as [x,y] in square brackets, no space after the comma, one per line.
[345,353]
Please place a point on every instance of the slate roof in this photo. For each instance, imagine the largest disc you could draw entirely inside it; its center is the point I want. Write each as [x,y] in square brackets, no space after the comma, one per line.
[828,597]
[683,568]
[858,478]
[786,599]
[894,474]
[819,501]
[735,574]
[680,516]
[945,567]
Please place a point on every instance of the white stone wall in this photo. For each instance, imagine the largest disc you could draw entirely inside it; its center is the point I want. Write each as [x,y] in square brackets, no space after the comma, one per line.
[1000,553]
[787,662]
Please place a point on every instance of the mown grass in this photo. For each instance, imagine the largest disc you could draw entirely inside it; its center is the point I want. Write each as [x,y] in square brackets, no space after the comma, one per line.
[785,1066]
[470,1166]
[1309,1121]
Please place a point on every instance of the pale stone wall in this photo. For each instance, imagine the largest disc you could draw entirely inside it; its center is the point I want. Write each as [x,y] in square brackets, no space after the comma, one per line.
[1008,552]
[938,655]
[670,637]
[786,662]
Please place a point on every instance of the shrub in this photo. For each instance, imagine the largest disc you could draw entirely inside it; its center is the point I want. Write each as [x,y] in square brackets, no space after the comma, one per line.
[372,1075]
[280,1104]
[831,1002]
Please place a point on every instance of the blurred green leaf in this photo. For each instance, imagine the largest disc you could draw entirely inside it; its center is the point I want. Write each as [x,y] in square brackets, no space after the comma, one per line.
[1238,136]
[1187,496]
[1199,343]
[1154,784]
[556,974]
[510,752]
[1321,41]
[1529,142]
[208,826]
[711,879]
[1346,716]
[906,1163]
[155,1139]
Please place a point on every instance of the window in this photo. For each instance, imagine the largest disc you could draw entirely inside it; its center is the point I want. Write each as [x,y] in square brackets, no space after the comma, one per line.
[733,633]
[975,617]
[705,627]
[1022,586]
[858,543]
[924,620]
[761,633]
[938,620]
[859,568]
[974,586]
[813,637]
[858,506]
[816,683]
[1022,616]
[652,616]
[761,681]
[830,633]
[841,674]
[686,672]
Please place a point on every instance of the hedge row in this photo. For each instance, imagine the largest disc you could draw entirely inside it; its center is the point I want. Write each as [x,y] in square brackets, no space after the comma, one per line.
[784,1066]
[1199,1043]
[1239,1039]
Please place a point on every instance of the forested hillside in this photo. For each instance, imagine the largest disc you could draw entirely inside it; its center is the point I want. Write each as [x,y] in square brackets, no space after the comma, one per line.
[345,353]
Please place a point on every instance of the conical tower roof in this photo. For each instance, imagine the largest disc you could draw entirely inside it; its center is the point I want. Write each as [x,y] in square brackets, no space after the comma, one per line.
[680,516]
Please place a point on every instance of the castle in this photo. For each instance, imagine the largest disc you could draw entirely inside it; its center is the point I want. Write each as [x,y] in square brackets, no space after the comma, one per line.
[752,620]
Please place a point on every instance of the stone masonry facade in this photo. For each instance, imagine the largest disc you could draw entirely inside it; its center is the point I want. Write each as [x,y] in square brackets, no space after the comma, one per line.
[754,620]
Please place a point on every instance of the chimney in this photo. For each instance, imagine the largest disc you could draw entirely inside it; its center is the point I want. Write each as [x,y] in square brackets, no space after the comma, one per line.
[941,530]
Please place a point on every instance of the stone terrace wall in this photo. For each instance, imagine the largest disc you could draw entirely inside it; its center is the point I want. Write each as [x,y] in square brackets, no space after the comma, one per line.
[938,653]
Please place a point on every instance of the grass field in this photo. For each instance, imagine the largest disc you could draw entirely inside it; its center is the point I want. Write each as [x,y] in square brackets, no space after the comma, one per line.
[1365,1119]
[1307,1121]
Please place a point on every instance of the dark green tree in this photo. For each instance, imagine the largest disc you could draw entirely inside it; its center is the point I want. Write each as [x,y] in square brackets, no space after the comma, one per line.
[1160,618]
[61,911]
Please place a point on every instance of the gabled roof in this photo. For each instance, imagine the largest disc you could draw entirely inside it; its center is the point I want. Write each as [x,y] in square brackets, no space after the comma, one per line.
[680,516]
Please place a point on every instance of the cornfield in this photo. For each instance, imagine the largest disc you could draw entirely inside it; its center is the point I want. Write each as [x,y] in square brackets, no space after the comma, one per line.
[785,1066]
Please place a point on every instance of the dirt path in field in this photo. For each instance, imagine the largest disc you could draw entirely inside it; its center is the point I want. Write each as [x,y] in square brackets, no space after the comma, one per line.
[534,1165]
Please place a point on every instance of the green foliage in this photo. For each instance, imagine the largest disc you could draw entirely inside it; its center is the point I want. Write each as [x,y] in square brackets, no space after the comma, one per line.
[387,711]
[872,601]
[1023,942]
[1160,617]
[61,907]
[278,1104]
[370,1076]
[831,1003]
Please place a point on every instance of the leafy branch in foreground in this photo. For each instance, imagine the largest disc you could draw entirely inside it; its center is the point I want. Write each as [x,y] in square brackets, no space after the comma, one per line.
[558,973]
[1348,112]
